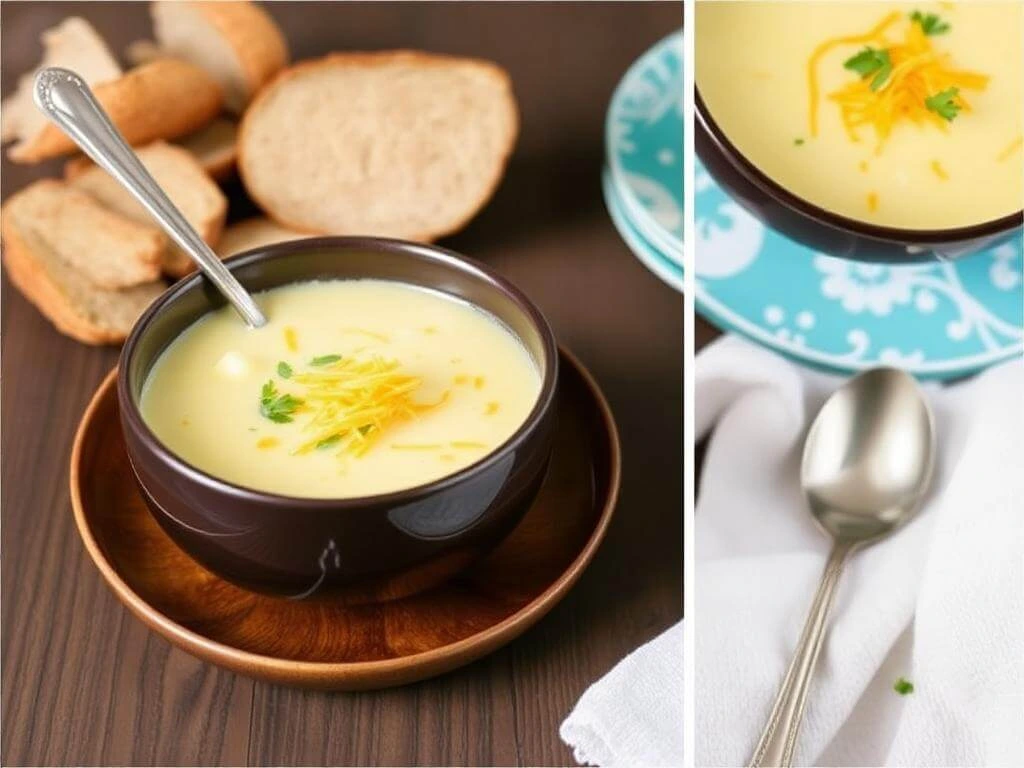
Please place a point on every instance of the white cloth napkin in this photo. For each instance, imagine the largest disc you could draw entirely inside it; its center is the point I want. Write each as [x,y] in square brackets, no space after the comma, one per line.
[940,603]
[633,716]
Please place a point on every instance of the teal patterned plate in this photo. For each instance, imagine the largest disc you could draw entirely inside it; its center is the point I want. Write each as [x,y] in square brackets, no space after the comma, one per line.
[644,142]
[941,320]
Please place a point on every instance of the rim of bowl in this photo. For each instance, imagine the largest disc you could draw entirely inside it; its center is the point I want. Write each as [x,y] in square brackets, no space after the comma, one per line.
[777,192]
[543,404]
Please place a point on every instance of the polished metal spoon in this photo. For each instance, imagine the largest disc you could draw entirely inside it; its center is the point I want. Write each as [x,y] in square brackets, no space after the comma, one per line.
[65,99]
[867,465]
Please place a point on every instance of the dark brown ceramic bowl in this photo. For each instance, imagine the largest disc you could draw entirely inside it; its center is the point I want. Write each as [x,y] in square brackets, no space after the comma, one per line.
[823,230]
[356,549]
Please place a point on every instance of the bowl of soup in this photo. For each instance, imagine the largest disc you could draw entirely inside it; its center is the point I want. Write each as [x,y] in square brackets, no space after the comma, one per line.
[389,424]
[879,131]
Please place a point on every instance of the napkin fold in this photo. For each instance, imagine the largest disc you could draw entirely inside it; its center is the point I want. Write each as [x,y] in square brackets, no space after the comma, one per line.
[940,603]
[633,716]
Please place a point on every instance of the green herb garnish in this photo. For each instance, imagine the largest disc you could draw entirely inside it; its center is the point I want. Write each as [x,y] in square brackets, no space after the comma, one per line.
[944,103]
[327,442]
[930,23]
[322,360]
[871,61]
[276,407]
[798,142]
[284,370]
[903,686]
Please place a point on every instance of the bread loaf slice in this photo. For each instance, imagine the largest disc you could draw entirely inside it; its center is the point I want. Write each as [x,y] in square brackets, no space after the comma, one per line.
[253,233]
[72,44]
[238,43]
[164,99]
[400,144]
[62,293]
[108,250]
[186,184]
[213,145]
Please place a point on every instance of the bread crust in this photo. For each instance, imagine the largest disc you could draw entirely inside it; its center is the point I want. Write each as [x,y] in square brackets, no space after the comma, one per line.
[375,59]
[163,99]
[31,278]
[252,34]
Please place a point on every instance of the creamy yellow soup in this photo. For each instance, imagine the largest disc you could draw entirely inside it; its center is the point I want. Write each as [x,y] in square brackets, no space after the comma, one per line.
[849,105]
[352,388]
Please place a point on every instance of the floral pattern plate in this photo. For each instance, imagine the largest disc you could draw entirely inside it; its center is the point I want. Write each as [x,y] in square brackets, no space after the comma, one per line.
[941,320]
[666,269]
[644,142]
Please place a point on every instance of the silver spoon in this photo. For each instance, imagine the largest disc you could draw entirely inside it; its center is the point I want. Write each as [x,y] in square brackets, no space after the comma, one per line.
[64,97]
[867,465]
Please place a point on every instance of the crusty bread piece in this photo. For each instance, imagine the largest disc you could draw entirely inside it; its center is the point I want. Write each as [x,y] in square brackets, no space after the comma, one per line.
[164,99]
[252,233]
[186,184]
[213,146]
[73,44]
[399,144]
[238,43]
[142,52]
[108,250]
[73,304]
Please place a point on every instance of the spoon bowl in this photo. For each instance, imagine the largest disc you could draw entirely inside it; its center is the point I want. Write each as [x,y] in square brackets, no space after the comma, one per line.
[868,456]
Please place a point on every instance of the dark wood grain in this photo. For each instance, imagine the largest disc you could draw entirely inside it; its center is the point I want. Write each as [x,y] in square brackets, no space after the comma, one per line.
[86,683]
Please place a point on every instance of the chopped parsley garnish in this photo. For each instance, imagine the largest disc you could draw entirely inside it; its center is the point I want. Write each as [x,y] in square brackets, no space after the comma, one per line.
[930,23]
[322,360]
[277,407]
[903,686]
[944,103]
[871,61]
[284,370]
[798,142]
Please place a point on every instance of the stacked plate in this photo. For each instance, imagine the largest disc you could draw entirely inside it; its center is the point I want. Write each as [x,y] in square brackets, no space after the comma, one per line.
[643,178]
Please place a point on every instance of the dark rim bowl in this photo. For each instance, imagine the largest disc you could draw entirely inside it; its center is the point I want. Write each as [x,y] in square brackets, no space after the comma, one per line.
[361,548]
[823,230]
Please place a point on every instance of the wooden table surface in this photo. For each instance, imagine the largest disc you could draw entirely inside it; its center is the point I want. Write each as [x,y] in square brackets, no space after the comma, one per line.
[85,683]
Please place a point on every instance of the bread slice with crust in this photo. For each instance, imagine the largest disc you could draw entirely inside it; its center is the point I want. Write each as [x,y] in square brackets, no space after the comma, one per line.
[238,43]
[164,99]
[72,44]
[253,233]
[183,179]
[61,291]
[108,250]
[394,143]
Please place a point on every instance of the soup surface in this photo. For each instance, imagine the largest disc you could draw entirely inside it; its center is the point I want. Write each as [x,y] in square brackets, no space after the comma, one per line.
[904,115]
[353,388]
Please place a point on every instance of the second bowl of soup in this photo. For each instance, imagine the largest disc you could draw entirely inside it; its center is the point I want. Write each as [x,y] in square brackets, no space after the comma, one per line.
[870,130]
[390,423]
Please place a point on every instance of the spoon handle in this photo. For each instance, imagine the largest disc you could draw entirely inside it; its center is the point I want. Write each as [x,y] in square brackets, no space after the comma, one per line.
[65,98]
[778,741]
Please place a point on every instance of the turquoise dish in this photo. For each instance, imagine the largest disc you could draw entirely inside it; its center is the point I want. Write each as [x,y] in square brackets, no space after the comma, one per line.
[644,144]
[939,320]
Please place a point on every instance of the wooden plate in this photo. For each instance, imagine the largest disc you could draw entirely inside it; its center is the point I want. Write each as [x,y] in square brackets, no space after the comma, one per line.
[324,645]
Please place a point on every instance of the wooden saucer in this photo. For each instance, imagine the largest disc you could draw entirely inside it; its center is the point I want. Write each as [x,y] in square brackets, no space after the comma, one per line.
[323,645]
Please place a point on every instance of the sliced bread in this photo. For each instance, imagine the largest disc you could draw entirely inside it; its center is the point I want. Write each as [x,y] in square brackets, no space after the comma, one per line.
[73,44]
[399,144]
[185,182]
[164,99]
[63,294]
[238,43]
[253,233]
[213,146]
[108,250]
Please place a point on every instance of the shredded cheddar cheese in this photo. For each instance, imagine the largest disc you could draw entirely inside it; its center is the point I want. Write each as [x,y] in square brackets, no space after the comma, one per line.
[266,443]
[492,408]
[351,401]
[872,201]
[1015,146]
[939,171]
[918,72]
[368,334]
[291,339]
